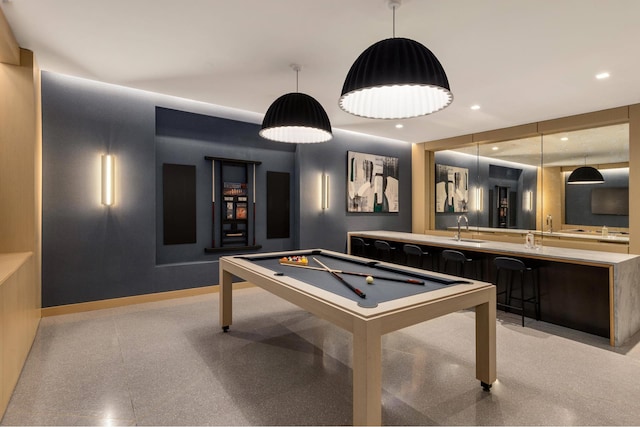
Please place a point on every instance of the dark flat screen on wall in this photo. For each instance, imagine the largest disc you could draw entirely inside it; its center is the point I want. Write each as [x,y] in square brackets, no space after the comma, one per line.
[179,203]
[610,201]
[278,205]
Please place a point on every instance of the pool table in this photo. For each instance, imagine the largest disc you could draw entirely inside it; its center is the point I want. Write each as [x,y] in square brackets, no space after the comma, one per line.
[393,301]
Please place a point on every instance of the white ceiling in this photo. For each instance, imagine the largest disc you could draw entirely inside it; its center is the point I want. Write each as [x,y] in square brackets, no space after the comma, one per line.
[521,60]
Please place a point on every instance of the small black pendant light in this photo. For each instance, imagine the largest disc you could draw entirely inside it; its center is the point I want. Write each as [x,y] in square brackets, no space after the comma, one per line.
[296,118]
[396,78]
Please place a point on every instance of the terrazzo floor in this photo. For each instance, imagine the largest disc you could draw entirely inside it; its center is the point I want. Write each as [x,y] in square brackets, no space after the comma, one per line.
[168,363]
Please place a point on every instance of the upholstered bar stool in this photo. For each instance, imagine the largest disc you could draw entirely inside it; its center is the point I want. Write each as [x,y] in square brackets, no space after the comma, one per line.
[415,255]
[455,258]
[359,247]
[509,268]
[384,251]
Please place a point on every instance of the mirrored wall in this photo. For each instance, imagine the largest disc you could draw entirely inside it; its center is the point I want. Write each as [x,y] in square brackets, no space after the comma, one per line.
[522,184]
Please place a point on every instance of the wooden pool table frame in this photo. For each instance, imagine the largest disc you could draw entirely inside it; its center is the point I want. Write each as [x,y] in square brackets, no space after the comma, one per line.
[369,324]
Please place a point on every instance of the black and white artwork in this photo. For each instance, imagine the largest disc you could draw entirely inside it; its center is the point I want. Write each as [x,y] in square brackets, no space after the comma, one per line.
[372,183]
[452,189]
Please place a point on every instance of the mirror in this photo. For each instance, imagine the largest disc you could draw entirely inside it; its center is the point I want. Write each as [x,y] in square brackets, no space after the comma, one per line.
[522,184]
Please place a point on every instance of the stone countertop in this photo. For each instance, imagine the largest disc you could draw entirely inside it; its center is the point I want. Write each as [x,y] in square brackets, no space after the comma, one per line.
[548,252]
[613,237]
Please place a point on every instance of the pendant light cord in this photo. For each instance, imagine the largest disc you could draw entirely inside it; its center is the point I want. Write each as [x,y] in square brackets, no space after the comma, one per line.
[394,21]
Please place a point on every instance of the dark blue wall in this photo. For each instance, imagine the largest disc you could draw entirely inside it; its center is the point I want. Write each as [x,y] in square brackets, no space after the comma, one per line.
[91,252]
[185,138]
[578,200]
[328,228]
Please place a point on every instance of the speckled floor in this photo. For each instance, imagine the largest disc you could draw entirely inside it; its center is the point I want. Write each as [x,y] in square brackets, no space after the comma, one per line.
[168,363]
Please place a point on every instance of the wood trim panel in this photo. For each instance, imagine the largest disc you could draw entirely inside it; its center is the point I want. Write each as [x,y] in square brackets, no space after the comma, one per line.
[587,120]
[634,179]
[418,188]
[9,49]
[19,319]
[137,299]
[444,144]
[515,132]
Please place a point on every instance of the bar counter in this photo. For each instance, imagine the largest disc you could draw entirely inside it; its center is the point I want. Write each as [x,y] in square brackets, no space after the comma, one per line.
[593,291]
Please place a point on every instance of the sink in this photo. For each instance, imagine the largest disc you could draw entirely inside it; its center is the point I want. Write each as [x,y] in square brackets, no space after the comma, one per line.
[469,240]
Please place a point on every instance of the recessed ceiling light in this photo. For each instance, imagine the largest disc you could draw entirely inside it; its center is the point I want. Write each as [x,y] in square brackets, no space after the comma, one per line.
[601,76]
[475,107]
[399,126]
[494,148]
[564,138]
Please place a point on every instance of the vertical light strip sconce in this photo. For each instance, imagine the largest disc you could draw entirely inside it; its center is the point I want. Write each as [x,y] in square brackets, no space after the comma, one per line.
[527,201]
[108,169]
[325,191]
[477,203]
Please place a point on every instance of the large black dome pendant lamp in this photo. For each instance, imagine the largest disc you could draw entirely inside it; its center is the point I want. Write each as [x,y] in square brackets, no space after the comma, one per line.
[396,78]
[585,175]
[296,118]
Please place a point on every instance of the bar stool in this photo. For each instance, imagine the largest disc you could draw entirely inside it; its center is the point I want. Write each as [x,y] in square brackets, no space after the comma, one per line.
[384,251]
[457,258]
[414,255]
[511,266]
[359,247]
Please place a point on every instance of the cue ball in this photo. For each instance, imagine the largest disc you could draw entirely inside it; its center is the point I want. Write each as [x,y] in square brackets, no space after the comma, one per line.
[369,279]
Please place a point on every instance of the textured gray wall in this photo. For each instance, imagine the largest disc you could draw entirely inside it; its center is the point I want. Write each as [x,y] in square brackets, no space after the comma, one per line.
[91,252]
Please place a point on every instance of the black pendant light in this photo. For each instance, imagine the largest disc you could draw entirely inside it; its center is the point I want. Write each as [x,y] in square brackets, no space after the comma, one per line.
[296,118]
[396,78]
[585,175]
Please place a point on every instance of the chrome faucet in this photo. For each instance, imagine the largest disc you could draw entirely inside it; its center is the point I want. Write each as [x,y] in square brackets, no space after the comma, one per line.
[466,220]
[550,223]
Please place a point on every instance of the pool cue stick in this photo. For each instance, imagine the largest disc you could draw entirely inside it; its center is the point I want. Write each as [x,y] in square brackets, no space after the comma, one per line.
[254,204]
[213,203]
[353,273]
[344,282]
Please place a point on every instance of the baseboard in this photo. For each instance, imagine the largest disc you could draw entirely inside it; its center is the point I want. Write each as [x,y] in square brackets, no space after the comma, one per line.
[137,299]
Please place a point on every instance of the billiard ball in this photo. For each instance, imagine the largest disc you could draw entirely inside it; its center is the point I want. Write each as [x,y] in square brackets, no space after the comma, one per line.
[369,279]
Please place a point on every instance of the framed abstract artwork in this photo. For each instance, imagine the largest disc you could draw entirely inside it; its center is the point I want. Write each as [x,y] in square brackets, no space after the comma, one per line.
[452,189]
[372,183]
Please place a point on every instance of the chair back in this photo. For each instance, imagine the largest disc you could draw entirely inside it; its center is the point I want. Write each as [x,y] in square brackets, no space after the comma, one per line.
[455,256]
[358,246]
[506,263]
[412,250]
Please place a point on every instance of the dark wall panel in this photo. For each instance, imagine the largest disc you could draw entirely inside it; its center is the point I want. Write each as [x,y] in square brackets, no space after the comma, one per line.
[179,203]
[278,205]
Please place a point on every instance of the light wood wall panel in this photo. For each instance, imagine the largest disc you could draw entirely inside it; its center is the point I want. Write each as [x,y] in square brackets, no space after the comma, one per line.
[418,189]
[9,49]
[19,142]
[20,207]
[552,197]
[19,318]
[634,179]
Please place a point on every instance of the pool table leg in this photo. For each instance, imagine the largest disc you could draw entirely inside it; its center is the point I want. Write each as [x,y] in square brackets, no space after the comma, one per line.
[486,341]
[367,373]
[226,289]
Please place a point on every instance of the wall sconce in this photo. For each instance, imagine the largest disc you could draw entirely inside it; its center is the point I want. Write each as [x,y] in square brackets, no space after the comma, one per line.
[527,201]
[477,202]
[324,203]
[108,165]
